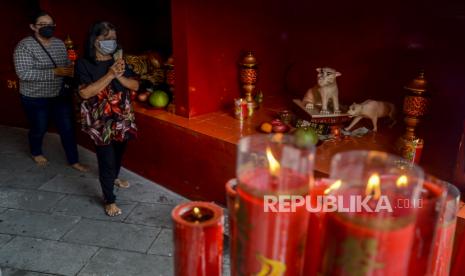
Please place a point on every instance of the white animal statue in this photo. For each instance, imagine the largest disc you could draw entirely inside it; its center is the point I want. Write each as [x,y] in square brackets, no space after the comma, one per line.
[372,110]
[324,91]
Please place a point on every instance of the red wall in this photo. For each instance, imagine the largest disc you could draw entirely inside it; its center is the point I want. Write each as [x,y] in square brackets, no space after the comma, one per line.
[210,36]
[377,47]
[194,165]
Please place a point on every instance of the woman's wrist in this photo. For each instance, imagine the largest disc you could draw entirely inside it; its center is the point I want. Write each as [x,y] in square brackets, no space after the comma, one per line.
[110,75]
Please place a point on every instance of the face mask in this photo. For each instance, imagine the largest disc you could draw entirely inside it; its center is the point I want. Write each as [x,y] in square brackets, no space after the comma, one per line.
[47,31]
[107,47]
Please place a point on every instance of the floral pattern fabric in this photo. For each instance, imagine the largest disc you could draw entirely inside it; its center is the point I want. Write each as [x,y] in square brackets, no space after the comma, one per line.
[109,116]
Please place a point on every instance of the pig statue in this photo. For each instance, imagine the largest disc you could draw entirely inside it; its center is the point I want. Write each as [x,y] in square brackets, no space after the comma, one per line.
[372,110]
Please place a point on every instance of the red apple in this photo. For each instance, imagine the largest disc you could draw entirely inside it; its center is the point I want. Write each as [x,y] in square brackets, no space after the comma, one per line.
[142,97]
[276,122]
[280,128]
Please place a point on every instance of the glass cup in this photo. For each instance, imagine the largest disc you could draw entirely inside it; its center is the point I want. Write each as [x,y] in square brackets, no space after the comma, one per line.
[371,214]
[271,169]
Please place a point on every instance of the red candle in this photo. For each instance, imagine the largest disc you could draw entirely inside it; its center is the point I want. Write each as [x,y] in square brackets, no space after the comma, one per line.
[316,229]
[457,265]
[444,238]
[231,194]
[432,198]
[198,239]
[375,237]
[271,240]
[367,243]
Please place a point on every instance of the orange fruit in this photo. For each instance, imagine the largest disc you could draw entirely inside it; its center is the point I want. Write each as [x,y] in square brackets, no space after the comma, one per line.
[266,127]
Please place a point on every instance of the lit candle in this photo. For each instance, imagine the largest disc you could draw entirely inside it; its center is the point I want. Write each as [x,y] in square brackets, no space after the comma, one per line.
[198,239]
[271,242]
[376,238]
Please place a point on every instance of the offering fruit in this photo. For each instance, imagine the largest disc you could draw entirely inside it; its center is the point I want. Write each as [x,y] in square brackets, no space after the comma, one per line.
[142,97]
[276,122]
[280,128]
[159,99]
[305,137]
[266,127]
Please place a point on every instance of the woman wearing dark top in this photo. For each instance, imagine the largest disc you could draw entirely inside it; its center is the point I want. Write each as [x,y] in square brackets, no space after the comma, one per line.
[106,111]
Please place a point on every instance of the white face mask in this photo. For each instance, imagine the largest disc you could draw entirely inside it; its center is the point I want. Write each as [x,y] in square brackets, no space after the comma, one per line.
[107,47]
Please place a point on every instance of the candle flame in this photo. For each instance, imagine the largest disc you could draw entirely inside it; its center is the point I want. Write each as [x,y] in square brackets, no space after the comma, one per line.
[273,163]
[336,185]
[373,188]
[402,181]
[197,213]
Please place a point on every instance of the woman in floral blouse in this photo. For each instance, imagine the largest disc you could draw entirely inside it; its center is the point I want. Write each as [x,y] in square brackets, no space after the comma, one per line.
[106,111]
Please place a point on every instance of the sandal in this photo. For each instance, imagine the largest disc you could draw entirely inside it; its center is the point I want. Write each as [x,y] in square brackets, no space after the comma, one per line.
[40,160]
[124,184]
[112,210]
[80,167]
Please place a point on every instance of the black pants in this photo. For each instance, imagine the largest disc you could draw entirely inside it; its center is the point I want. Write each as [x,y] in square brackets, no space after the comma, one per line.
[39,111]
[109,163]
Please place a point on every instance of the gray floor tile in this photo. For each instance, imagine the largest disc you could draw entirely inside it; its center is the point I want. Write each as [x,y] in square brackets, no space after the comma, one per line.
[113,235]
[66,170]
[4,239]
[163,245]
[119,263]
[151,214]
[148,192]
[31,178]
[19,272]
[4,176]
[45,256]
[33,224]
[15,162]
[73,185]
[28,199]
[90,207]
[14,143]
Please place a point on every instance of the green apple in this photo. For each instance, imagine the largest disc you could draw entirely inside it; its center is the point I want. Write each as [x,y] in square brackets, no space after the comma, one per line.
[159,99]
[305,137]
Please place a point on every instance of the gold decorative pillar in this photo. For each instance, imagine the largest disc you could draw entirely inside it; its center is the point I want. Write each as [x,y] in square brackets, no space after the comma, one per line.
[416,103]
[248,76]
[415,107]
